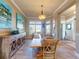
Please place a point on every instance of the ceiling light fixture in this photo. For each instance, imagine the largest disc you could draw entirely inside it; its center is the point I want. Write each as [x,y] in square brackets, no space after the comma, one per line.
[74,12]
[42,16]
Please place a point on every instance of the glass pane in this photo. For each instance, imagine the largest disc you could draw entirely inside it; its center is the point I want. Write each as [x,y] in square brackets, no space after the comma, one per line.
[38,28]
[47,22]
[34,27]
[31,29]
[47,29]
[31,22]
[38,22]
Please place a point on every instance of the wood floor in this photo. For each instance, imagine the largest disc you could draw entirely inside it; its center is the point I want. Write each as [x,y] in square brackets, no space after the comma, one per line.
[65,50]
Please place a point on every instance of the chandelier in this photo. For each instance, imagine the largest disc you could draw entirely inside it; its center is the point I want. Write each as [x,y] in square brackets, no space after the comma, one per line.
[42,16]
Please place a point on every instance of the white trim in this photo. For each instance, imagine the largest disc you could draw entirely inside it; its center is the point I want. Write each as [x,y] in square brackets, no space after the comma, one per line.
[65,2]
[71,19]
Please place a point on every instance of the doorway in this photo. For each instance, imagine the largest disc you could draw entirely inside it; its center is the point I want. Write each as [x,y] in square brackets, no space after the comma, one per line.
[68,24]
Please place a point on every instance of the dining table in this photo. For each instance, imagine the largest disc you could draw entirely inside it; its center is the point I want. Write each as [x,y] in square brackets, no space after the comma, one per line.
[36,45]
[36,42]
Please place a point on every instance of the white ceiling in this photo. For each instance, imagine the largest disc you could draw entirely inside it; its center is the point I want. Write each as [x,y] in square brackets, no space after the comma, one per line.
[32,8]
[69,12]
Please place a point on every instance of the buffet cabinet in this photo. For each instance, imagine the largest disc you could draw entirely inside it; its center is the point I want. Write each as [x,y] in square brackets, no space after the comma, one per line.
[11,44]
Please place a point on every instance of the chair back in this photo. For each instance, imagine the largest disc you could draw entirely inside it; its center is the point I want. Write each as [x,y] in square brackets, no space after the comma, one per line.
[49,48]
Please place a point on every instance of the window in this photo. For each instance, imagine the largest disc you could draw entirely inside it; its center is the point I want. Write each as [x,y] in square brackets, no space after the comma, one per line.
[48,27]
[34,27]
[38,28]
[31,29]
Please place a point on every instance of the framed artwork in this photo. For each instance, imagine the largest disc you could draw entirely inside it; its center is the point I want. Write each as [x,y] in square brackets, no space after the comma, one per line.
[5,16]
[20,22]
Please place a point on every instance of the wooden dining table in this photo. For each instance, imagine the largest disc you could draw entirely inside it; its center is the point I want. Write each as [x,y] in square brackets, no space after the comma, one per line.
[36,42]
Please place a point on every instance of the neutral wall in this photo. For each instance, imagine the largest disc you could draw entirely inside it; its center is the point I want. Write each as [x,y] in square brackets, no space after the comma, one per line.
[77,25]
[57,18]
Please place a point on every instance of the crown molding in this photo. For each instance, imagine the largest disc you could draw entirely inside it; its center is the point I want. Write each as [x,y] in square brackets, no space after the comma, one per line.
[64,6]
[18,8]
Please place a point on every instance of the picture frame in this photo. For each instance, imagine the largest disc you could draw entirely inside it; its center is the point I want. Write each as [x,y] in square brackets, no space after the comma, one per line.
[68,26]
[20,22]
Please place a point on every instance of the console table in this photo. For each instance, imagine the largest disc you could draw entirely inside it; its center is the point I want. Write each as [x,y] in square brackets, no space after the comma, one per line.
[11,44]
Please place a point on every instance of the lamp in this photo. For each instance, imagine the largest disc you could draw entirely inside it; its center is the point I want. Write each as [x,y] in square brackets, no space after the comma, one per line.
[42,16]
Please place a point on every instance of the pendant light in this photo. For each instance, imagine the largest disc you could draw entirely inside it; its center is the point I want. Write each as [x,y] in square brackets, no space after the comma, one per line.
[42,16]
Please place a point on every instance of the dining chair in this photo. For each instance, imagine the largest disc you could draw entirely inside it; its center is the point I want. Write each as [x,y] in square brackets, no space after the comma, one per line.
[49,48]
[39,54]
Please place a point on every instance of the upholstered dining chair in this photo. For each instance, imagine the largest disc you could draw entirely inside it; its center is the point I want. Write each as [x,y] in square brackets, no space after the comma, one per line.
[49,48]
